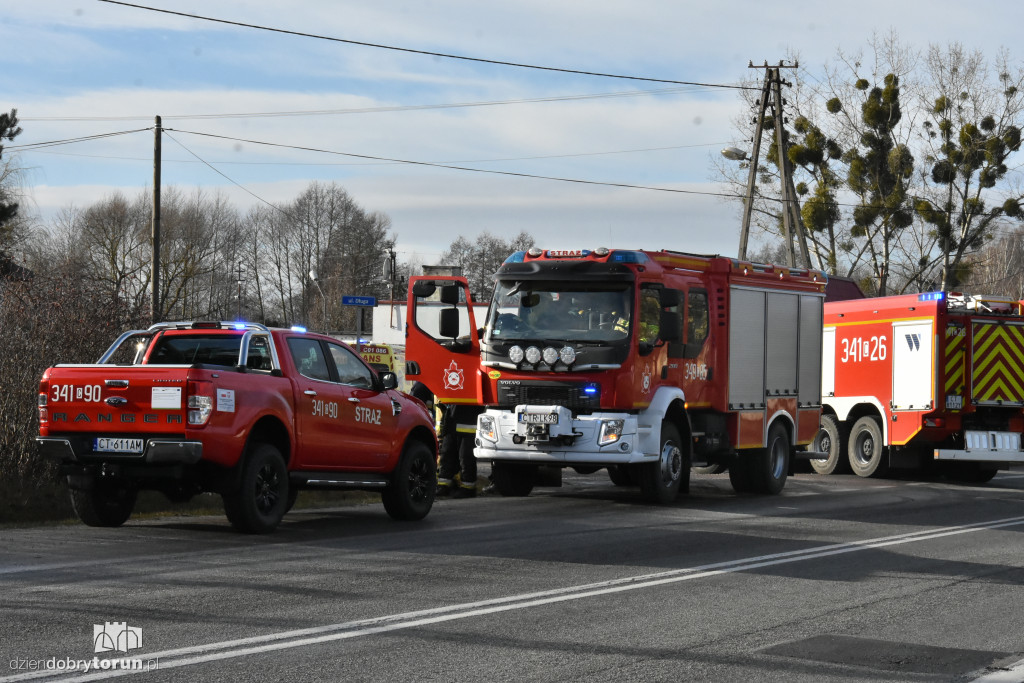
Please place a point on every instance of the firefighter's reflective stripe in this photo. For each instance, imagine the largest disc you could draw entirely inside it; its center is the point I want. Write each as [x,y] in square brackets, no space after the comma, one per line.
[466,429]
[997,361]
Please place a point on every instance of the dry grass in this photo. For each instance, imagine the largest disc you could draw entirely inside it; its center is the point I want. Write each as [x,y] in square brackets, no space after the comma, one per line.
[52,505]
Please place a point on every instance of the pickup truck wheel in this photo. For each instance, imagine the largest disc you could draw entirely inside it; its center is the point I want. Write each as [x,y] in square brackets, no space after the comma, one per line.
[866,449]
[513,479]
[103,503]
[832,440]
[660,481]
[410,494]
[262,496]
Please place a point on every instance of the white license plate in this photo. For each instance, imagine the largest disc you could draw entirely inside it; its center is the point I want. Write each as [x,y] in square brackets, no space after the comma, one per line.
[539,418]
[107,445]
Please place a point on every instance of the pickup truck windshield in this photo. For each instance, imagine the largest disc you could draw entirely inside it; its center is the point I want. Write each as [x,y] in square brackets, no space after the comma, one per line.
[570,311]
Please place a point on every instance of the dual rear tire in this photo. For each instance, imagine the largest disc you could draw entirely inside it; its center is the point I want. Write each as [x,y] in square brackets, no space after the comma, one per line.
[866,449]
[859,448]
[763,470]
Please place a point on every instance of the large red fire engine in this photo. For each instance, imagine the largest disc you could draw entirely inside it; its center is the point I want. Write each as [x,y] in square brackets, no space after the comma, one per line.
[641,362]
[916,379]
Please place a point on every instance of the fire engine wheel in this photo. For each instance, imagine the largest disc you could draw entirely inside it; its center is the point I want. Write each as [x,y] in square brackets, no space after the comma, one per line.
[621,475]
[832,440]
[261,499]
[513,479]
[410,495]
[763,470]
[661,481]
[866,449]
[103,503]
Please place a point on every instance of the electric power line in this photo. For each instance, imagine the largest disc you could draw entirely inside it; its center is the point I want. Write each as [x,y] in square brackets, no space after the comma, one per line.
[370,110]
[446,165]
[70,141]
[226,177]
[390,163]
[427,53]
[457,168]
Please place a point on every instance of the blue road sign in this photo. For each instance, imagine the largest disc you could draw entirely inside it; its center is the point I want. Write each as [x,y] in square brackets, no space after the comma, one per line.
[358,301]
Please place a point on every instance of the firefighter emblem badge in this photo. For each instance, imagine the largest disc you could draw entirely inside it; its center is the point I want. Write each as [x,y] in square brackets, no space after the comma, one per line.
[453,377]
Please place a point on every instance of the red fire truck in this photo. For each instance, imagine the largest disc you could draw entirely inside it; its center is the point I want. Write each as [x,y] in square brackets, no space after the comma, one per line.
[923,379]
[641,362]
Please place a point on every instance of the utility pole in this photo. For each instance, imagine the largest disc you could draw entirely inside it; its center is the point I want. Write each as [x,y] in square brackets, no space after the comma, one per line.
[239,291]
[389,270]
[792,222]
[155,278]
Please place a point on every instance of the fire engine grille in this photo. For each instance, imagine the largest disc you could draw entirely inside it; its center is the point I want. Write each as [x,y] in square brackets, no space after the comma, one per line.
[579,397]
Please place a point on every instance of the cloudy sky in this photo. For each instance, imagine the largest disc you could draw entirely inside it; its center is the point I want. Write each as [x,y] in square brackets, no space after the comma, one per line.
[84,68]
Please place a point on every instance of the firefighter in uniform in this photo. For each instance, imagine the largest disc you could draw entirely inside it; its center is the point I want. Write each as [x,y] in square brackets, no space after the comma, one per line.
[456,476]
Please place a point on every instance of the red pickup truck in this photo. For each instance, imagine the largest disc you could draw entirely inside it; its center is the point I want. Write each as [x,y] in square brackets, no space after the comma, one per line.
[252,413]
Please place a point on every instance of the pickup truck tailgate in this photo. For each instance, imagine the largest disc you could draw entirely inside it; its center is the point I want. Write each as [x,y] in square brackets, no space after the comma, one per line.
[96,410]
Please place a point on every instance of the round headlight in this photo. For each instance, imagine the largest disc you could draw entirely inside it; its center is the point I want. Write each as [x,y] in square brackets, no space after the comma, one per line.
[533,355]
[550,355]
[515,354]
[567,355]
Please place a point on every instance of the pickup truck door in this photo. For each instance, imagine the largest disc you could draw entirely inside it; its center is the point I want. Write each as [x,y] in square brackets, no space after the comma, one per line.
[341,426]
[442,346]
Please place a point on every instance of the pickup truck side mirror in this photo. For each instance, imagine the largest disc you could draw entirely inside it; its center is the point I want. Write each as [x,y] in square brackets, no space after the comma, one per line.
[389,380]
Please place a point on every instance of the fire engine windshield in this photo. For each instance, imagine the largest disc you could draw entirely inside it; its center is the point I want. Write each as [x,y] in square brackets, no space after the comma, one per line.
[553,310]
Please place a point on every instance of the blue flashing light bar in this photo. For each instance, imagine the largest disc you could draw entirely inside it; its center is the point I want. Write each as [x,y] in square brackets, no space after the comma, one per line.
[590,391]
[931,296]
[298,328]
[239,326]
[517,257]
[628,257]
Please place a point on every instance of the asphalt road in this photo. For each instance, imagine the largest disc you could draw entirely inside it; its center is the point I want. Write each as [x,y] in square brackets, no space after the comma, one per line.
[837,579]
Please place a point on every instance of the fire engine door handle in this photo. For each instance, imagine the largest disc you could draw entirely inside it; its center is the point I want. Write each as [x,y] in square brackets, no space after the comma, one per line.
[309,392]
[353,399]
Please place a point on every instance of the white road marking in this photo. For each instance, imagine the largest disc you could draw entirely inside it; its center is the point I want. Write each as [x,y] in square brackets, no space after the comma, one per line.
[1014,673]
[243,647]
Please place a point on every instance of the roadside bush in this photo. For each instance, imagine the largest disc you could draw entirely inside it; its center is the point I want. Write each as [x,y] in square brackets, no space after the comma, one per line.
[44,320]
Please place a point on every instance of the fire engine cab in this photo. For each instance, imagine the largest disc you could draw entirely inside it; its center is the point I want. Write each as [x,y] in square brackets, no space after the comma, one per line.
[640,362]
[923,379]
